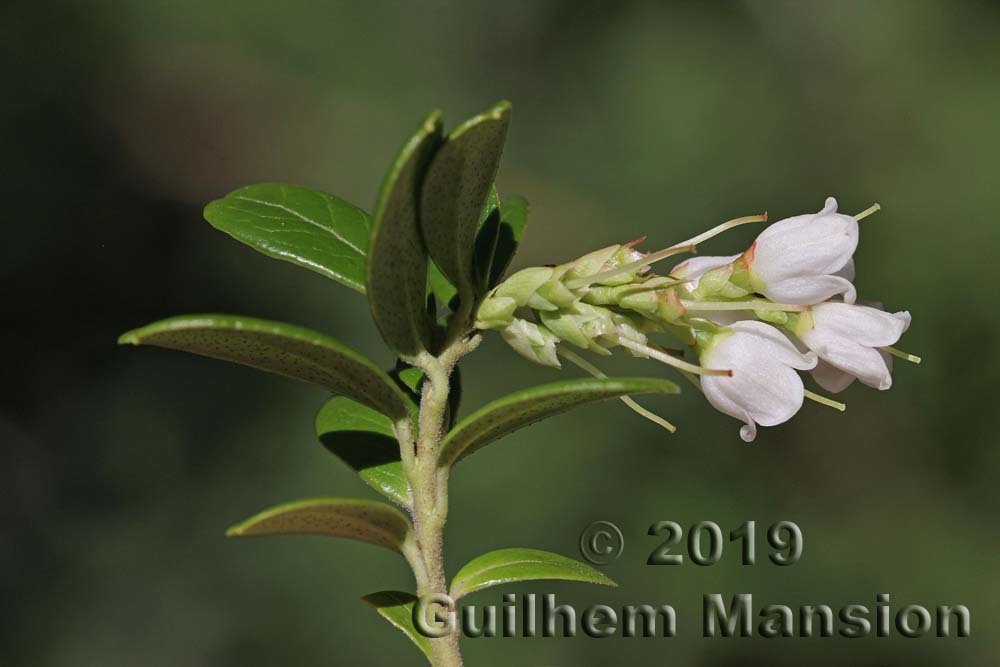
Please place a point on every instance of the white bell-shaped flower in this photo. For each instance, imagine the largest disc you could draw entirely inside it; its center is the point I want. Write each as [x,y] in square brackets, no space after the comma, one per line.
[806,259]
[764,387]
[847,339]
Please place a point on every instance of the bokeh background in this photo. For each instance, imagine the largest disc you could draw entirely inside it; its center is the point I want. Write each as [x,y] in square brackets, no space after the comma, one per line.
[121,468]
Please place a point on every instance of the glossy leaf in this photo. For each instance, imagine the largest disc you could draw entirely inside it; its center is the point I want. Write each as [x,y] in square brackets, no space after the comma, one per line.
[498,240]
[313,229]
[350,518]
[278,348]
[397,608]
[397,262]
[455,192]
[528,406]
[363,439]
[509,565]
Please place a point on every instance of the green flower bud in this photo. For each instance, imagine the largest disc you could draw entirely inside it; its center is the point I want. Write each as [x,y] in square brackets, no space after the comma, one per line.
[580,326]
[495,312]
[662,305]
[522,285]
[556,293]
[627,327]
[591,263]
[533,342]
[601,295]
[645,302]
[713,282]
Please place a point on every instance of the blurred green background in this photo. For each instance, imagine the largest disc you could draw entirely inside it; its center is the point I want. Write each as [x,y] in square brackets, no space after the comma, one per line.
[121,468]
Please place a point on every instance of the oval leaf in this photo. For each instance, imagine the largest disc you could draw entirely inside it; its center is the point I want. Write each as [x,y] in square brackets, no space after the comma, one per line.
[279,348]
[350,518]
[397,263]
[498,240]
[528,406]
[313,229]
[509,565]
[455,192]
[397,608]
[363,439]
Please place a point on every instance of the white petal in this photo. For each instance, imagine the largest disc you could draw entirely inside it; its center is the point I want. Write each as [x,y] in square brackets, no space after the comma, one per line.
[846,271]
[764,387]
[861,324]
[809,290]
[771,342]
[865,363]
[717,395]
[806,245]
[831,378]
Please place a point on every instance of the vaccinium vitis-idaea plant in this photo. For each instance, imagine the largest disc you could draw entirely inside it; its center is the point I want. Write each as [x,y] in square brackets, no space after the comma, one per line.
[431,261]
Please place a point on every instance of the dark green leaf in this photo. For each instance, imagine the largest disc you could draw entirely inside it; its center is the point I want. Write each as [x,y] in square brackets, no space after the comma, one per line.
[306,227]
[397,608]
[498,240]
[510,565]
[528,406]
[397,263]
[438,284]
[351,518]
[455,192]
[365,441]
[278,348]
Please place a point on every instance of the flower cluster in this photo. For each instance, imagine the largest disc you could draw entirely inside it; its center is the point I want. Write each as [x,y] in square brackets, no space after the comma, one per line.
[753,320]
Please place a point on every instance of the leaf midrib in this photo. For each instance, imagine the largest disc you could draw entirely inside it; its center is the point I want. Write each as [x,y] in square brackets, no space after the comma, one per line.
[457,585]
[303,218]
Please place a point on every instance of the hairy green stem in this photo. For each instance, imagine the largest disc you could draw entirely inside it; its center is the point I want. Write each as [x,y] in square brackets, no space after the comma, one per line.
[429,485]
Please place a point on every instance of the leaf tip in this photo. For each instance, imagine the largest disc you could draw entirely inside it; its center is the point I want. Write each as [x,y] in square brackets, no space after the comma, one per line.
[501,108]
[434,121]
[129,338]
[237,530]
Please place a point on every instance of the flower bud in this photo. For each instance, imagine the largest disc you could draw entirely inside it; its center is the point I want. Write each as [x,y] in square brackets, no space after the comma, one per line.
[522,285]
[592,263]
[533,342]
[495,312]
[662,305]
[581,326]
